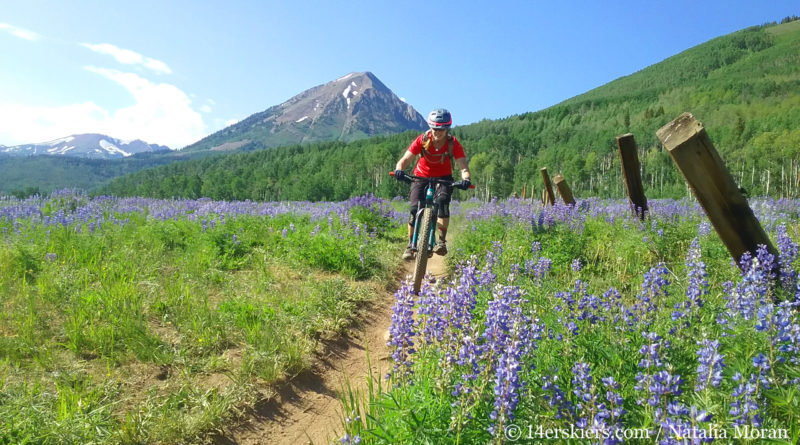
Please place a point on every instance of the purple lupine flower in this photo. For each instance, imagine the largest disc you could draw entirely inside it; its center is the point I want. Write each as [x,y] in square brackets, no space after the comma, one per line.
[654,292]
[703,229]
[743,299]
[675,429]
[611,413]
[401,333]
[745,407]
[781,329]
[748,395]
[650,351]
[470,356]
[665,383]
[536,247]
[488,277]
[788,254]
[508,337]
[506,387]
[347,439]
[698,278]
[697,287]
[470,349]
[558,400]
[656,385]
[585,396]
[576,265]
[709,371]
[538,268]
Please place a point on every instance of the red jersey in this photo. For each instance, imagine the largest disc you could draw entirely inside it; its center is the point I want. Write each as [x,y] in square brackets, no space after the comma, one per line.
[438,164]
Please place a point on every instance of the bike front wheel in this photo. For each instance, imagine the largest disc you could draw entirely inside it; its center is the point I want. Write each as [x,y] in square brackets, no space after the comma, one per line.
[423,246]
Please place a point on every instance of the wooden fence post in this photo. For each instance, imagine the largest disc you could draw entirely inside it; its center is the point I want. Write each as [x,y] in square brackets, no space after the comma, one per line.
[690,148]
[550,198]
[629,158]
[563,189]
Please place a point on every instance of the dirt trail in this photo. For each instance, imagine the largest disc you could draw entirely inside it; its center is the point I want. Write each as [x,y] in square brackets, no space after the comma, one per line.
[306,410]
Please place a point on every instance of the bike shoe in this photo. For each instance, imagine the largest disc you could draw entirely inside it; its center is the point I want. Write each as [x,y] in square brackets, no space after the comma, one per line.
[440,248]
[408,254]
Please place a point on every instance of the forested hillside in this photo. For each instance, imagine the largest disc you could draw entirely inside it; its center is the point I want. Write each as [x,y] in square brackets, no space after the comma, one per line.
[744,87]
[29,175]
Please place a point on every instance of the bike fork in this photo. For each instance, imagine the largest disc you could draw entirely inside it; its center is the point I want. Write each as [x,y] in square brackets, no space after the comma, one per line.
[415,232]
[434,226]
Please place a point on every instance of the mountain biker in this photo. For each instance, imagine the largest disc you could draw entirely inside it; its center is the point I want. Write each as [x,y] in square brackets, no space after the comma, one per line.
[435,148]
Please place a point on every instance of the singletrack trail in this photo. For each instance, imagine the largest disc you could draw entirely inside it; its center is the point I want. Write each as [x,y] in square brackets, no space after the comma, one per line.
[306,409]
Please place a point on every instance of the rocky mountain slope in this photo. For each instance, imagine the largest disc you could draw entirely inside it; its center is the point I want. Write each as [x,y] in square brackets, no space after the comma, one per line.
[352,107]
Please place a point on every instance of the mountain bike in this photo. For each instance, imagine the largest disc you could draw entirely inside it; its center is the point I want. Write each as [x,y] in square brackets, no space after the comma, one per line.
[425,223]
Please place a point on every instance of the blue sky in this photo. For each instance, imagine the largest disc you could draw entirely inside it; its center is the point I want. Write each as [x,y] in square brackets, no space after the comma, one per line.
[174,71]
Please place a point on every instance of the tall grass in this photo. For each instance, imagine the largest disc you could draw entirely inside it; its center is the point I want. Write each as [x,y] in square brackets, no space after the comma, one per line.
[155,321]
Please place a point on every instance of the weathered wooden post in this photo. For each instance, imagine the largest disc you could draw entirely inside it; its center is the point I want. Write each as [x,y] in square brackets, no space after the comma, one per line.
[690,148]
[549,197]
[629,158]
[563,189]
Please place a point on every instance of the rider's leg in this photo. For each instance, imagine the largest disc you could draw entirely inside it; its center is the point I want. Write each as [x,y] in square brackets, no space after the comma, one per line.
[443,223]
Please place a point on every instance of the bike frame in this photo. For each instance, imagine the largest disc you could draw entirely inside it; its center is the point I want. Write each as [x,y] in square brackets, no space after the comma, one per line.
[427,216]
[430,202]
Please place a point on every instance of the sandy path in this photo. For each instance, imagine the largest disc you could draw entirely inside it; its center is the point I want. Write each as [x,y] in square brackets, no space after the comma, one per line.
[307,410]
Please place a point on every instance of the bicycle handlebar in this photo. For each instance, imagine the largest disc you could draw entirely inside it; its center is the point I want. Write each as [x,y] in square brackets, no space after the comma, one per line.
[410,178]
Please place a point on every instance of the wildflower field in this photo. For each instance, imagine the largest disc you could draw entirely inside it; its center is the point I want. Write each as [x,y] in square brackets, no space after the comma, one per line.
[154,321]
[585,325]
[159,321]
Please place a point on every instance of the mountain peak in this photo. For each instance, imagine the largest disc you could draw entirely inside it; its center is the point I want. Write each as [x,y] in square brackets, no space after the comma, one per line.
[354,106]
[88,145]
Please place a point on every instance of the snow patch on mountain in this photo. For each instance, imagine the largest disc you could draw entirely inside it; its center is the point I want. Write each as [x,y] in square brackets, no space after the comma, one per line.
[55,142]
[112,149]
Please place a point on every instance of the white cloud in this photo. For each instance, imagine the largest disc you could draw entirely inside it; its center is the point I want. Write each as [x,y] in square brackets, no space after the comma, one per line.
[161,113]
[206,108]
[19,32]
[128,57]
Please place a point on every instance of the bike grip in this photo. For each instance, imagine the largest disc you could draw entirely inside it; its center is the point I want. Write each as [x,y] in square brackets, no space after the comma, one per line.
[472,186]
[391,174]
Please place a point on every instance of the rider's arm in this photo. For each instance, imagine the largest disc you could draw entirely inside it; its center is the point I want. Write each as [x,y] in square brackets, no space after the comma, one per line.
[462,164]
[405,160]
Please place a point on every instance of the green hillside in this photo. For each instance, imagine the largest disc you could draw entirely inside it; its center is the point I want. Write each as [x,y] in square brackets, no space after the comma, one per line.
[744,87]
[25,176]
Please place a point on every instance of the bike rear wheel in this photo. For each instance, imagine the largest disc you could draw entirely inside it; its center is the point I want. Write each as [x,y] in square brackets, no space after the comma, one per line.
[423,245]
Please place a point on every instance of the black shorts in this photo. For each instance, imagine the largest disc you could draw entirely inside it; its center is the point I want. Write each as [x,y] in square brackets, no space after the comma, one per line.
[442,194]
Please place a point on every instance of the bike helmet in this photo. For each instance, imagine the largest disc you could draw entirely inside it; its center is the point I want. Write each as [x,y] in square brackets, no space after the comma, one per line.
[440,119]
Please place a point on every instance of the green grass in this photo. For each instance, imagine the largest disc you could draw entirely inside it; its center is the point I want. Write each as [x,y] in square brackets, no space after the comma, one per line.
[159,325]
